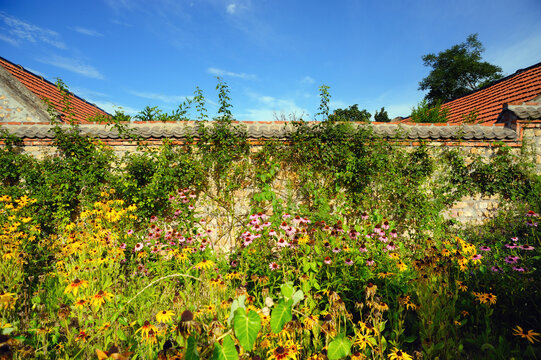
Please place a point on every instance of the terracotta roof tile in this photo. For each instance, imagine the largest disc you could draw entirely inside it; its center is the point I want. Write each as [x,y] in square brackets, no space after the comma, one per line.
[523,85]
[45,89]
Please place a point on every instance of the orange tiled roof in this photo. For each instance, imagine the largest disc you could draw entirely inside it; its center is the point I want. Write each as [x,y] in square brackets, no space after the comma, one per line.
[45,89]
[523,85]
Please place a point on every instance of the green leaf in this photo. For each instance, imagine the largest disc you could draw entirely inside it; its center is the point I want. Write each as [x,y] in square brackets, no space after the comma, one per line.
[191,350]
[246,327]
[338,348]
[280,315]
[237,303]
[225,352]
[287,290]
[297,296]
[121,335]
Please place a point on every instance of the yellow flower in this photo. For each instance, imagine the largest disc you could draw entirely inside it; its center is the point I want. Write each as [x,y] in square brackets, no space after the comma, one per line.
[147,328]
[385,274]
[205,265]
[397,354]
[164,316]
[81,302]
[401,266]
[485,298]
[7,300]
[461,286]
[530,335]
[99,299]
[75,285]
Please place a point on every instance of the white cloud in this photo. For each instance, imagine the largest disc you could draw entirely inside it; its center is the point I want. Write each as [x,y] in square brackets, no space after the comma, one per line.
[111,108]
[231,8]
[307,80]
[85,93]
[9,40]
[160,97]
[395,110]
[521,54]
[73,65]
[23,31]
[220,72]
[271,108]
[88,32]
[338,104]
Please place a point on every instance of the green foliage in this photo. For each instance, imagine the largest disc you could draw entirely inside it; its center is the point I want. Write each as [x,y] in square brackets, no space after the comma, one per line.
[339,348]
[149,114]
[247,326]
[425,113]
[352,113]
[457,71]
[280,315]
[227,351]
[325,98]
[381,116]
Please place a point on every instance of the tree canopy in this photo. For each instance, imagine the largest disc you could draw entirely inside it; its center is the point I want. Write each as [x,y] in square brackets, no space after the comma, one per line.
[457,71]
[381,116]
[352,113]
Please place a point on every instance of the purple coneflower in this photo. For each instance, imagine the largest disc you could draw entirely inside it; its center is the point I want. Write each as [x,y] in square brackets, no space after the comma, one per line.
[511,259]
[327,260]
[130,232]
[123,246]
[273,266]
[477,257]
[509,246]
[191,207]
[364,216]
[515,239]
[363,248]
[496,269]
[349,262]
[370,262]
[526,247]
[484,248]
[138,246]
[519,268]
[282,243]
[286,216]
[272,233]
[336,250]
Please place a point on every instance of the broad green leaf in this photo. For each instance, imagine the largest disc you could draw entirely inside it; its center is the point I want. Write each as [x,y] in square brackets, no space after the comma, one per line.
[237,303]
[287,290]
[225,352]
[246,327]
[121,335]
[297,296]
[339,348]
[191,349]
[280,315]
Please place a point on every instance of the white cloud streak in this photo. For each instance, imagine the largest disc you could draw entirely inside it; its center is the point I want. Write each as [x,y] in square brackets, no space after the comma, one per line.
[521,54]
[220,72]
[73,65]
[307,80]
[160,97]
[231,8]
[111,108]
[89,32]
[20,31]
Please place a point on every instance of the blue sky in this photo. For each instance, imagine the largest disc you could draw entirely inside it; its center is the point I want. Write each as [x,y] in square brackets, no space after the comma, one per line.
[273,54]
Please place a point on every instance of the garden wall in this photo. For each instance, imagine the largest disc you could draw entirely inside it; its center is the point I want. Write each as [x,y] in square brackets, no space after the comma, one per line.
[471,139]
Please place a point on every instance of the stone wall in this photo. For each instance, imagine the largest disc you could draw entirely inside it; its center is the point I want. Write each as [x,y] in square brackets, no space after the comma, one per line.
[471,139]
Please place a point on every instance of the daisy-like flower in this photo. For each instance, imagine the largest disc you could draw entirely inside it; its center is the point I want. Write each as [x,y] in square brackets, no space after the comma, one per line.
[496,269]
[282,243]
[81,302]
[509,246]
[511,259]
[476,257]
[363,248]
[164,316]
[7,300]
[385,274]
[138,247]
[401,266]
[99,299]
[397,354]
[530,335]
[370,262]
[371,289]
[205,265]
[364,216]
[336,250]
[273,266]
[484,248]
[75,285]
[279,353]
[327,260]
[514,239]
[526,247]
[146,328]
[82,336]
[518,268]
[348,262]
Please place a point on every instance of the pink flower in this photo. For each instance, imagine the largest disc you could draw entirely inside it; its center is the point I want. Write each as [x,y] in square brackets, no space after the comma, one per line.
[390,246]
[518,268]
[484,248]
[191,207]
[153,218]
[123,246]
[511,246]
[363,248]
[383,239]
[515,239]
[477,257]
[349,262]
[327,260]
[394,234]
[138,247]
[364,216]
[526,247]
[496,269]
[282,243]
[273,266]
[130,232]
[336,250]
[370,262]
[385,225]
[511,259]
[272,233]
[286,216]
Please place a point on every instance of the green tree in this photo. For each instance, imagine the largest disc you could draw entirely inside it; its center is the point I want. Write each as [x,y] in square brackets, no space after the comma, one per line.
[457,71]
[381,116]
[352,113]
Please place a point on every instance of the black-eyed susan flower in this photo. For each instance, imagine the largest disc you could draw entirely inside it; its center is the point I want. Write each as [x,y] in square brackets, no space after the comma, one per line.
[279,353]
[146,328]
[205,264]
[164,316]
[75,285]
[385,274]
[397,354]
[7,300]
[371,289]
[113,353]
[82,336]
[530,335]
[100,298]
